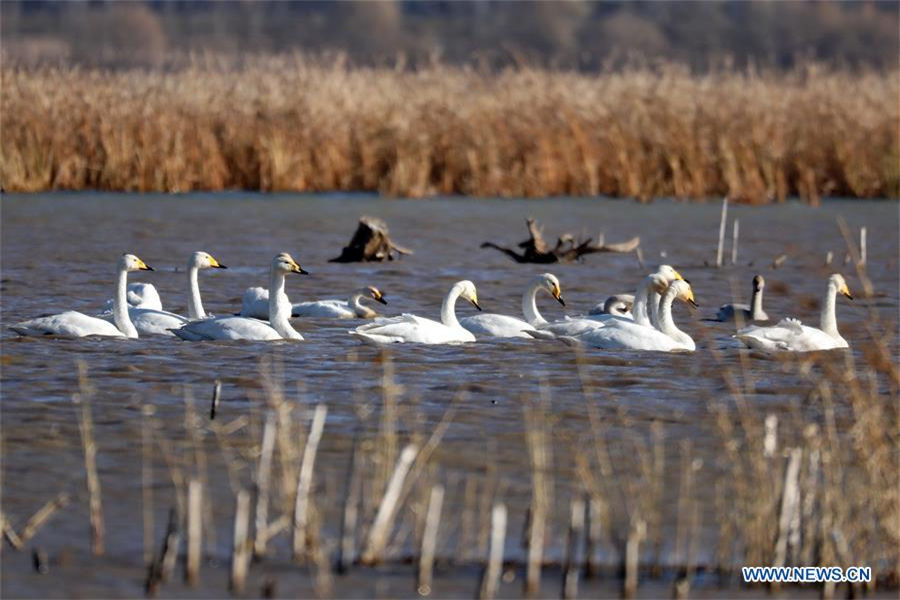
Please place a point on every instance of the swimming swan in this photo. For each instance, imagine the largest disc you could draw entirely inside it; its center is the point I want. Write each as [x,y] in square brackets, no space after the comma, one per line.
[494,325]
[139,295]
[752,312]
[792,336]
[255,303]
[410,328]
[245,328]
[617,304]
[75,324]
[149,321]
[622,334]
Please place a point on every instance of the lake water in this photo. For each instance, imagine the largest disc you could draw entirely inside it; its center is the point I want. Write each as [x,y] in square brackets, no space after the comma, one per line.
[59,253]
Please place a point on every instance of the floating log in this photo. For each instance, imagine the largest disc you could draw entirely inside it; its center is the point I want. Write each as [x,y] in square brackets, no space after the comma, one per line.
[371,243]
[568,248]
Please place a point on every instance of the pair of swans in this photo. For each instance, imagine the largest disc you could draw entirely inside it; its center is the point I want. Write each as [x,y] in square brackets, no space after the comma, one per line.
[247,328]
[75,324]
[255,303]
[790,335]
[746,312]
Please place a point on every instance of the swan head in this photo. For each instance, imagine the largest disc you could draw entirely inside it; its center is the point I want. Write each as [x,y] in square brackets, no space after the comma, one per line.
[669,273]
[551,284]
[375,294]
[684,291]
[619,304]
[837,280]
[204,260]
[130,262]
[758,283]
[284,263]
[467,290]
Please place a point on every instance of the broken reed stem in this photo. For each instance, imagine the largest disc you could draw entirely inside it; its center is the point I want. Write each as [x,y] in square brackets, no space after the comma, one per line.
[632,556]
[263,478]
[381,527]
[735,232]
[194,531]
[86,428]
[10,533]
[147,411]
[40,518]
[862,247]
[491,579]
[214,405]
[347,548]
[722,223]
[573,560]
[537,445]
[790,504]
[429,540]
[304,482]
[240,549]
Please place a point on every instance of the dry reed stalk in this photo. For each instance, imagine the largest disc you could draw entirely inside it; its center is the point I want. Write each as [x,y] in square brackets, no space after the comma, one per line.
[350,515]
[263,476]
[214,405]
[467,519]
[240,547]
[735,232]
[147,411]
[633,556]
[380,530]
[160,570]
[722,222]
[862,247]
[490,581]
[537,435]
[194,531]
[86,428]
[429,540]
[41,517]
[10,534]
[573,548]
[304,482]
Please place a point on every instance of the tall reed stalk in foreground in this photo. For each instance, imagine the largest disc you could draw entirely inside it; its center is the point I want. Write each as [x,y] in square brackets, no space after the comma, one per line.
[278,123]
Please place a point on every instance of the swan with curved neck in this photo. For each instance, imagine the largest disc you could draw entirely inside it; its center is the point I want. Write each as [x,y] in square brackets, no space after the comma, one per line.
[246,328]
[150,321]
[746,312]
[617,304]
[790,335]
[625,335]
[255,303]
[410,328]
[504,326]
[75,324]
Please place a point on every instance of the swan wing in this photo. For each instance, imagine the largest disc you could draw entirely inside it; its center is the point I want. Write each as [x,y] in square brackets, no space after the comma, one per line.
[494,325]
[338,309]
[68,324]
[139,295]
[727,312]
[633,337]
[572,327]
[255,303]
[788,336]
[410,328]
[227,328]
[152,322]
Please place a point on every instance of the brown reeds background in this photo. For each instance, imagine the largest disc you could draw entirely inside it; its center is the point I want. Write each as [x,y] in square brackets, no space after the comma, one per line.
[293,123]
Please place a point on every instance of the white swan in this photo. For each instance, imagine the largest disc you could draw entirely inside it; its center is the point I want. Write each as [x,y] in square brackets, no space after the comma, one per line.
[150,321]
[617,304]
[494,325]
[139,295]
[752,312]
[622,334]
[410,328]
[75,324]
[792,336]
[255,303]
[245,328]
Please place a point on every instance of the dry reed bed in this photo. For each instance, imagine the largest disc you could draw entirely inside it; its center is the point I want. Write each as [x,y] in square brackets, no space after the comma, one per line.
[293,123]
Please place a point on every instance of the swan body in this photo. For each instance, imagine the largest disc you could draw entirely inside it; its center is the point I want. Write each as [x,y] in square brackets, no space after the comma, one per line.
[746,312]
[504,326]
[246,328]
[75,324]
[152,321]
[621,334]
[255,303]
[138,295]
[414,329]
[790,335]
[618,305]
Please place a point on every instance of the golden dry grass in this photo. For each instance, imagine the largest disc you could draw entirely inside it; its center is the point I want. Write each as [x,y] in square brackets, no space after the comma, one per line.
[292,123]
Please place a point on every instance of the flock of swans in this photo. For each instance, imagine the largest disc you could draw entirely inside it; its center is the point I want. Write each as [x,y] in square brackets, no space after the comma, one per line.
[642,321]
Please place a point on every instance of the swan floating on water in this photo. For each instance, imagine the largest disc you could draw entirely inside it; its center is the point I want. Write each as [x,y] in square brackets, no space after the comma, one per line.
[246,328]
[504,326]
[621,334]
[138,295]
[75,324]
[150,321]
[617,304]
[255,303]
[790,335]
[410,328]
[747,312]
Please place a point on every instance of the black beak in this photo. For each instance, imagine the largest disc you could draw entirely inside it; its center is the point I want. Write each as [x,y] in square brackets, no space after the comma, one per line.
[849,296]
[475,304]
[694,304]
[148,268]
[221,266]
[560,300]
[381,299]
[302,271]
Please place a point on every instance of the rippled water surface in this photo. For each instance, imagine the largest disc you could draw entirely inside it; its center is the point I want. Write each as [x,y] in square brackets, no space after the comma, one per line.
[59,252]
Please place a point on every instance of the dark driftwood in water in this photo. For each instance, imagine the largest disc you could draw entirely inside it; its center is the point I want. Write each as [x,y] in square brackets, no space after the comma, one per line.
[370,242]
[568,248]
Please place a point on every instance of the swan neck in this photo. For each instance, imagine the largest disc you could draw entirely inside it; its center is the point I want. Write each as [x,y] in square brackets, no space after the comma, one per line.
[195,305]
[828,322]
[529,305]
[448,308]
[280,308]
[356,305]
[121,318]
[756,308]
[639,308]
[654,299]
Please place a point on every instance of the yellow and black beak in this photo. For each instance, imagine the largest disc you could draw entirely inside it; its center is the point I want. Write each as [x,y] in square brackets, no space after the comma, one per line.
[380,298]
[215,264]
[846,292]
[678,276]
[558,295]
[295,268]
[142,266]
[475,304]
